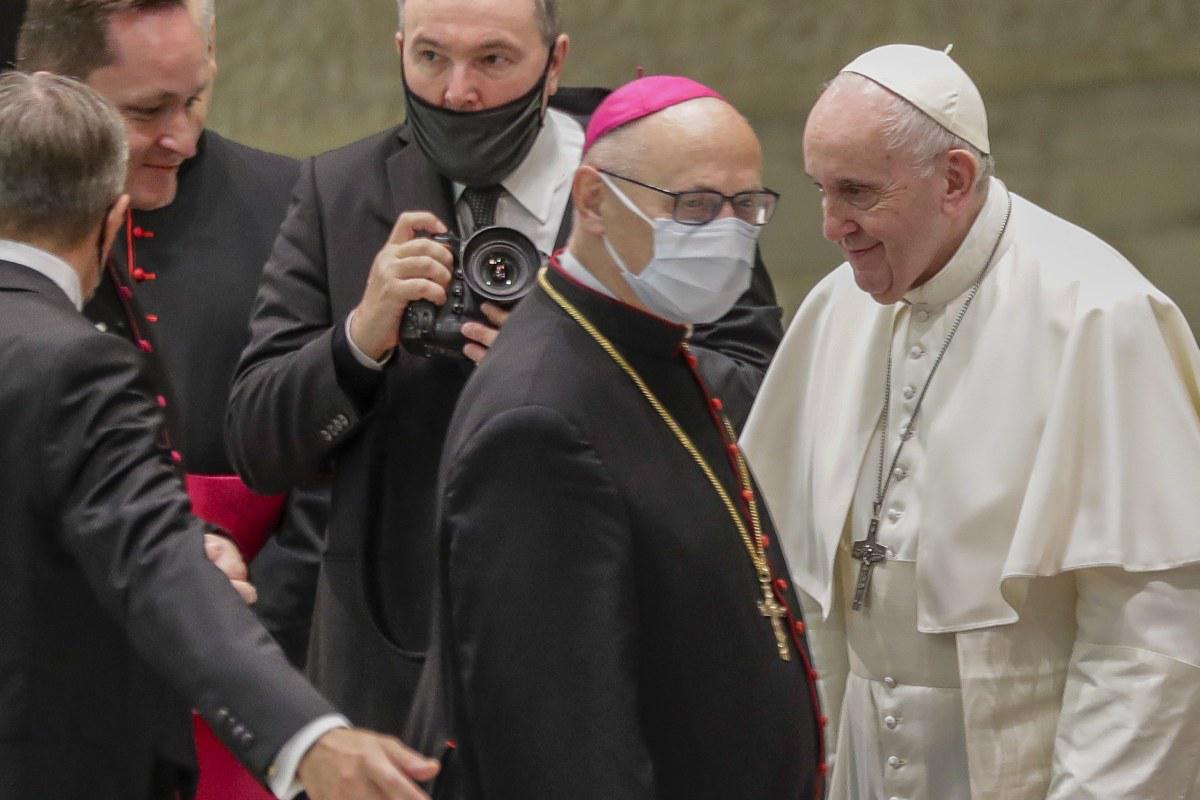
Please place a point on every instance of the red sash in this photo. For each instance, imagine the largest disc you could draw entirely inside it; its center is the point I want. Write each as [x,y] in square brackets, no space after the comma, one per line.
[250,519]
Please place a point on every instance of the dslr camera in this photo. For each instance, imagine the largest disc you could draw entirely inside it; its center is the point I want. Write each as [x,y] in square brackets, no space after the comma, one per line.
[494,264]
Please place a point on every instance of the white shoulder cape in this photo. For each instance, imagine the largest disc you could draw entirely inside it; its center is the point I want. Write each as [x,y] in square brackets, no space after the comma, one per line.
[1062,430]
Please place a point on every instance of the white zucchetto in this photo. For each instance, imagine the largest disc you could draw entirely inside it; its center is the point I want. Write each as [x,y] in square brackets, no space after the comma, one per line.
[931,81]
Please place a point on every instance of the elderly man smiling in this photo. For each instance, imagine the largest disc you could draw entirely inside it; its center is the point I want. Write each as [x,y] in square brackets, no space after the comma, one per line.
[981,446]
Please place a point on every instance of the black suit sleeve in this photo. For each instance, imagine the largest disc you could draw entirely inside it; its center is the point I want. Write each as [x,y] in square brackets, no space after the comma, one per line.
[126,522]
[736,350]
[287,411]
[543,613]
[285,570]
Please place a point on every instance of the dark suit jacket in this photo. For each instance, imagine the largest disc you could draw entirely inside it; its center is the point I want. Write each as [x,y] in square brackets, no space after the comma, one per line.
[301,404]
[112,621]
[201,258]
[598,618]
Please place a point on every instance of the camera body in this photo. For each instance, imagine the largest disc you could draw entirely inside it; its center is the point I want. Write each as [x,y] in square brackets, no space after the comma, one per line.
[495,264]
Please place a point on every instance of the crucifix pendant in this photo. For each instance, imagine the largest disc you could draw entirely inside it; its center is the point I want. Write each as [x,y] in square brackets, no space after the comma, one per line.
[769,607]
[869,552]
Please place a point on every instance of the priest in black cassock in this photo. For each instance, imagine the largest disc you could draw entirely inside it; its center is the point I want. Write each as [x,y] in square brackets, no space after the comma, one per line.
[614,617]
[185,267]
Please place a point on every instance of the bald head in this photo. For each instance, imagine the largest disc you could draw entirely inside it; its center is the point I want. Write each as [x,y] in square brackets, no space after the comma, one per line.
[702,135]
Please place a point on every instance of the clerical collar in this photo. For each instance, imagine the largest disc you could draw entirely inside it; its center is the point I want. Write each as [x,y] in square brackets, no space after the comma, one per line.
[963,268]
[631,328]
[63,274]
[555,154]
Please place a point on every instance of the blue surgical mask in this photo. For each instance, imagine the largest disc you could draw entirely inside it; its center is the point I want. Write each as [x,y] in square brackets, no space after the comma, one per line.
[697,272]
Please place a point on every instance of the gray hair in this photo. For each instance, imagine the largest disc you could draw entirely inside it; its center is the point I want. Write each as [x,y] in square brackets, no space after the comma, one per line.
[908,129]
[62,158]
[548,19]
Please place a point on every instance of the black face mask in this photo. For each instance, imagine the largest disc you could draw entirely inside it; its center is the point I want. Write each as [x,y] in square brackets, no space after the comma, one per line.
[477,148]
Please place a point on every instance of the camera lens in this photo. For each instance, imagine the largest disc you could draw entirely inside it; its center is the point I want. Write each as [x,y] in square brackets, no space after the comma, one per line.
[500,264]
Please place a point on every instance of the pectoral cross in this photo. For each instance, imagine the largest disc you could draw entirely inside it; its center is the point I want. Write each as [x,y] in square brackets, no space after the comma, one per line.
[870,552]
[769,607]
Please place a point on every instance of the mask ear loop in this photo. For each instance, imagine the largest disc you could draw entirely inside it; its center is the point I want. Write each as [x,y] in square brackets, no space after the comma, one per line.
[608,245]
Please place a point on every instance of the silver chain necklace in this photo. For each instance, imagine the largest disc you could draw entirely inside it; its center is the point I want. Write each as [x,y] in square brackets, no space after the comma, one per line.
[868,550]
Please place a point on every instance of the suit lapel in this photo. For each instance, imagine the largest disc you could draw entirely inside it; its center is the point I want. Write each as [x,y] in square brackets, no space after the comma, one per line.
[414,184]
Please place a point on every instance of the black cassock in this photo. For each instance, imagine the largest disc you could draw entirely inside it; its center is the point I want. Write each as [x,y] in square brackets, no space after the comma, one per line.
[189,273]
[599,632]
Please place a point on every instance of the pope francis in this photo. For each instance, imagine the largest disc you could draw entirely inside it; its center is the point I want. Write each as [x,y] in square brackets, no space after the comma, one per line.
[980,442]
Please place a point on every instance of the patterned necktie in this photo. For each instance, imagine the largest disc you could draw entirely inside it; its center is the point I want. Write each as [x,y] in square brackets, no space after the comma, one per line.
[481,200]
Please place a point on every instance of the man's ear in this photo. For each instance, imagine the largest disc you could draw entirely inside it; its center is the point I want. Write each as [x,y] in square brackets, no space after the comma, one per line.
[558,57]
[961,171]
[587,195]
[400,44]
[112,225]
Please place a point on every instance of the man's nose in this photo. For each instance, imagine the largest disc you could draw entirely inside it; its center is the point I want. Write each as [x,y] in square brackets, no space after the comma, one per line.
[180,134]
[461,93]
[835,225]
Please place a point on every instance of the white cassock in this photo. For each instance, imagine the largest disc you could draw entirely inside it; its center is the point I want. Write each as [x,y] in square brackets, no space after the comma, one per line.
[1036,630]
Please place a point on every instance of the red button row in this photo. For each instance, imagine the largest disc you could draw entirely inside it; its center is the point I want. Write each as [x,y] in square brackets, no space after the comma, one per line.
[141,233]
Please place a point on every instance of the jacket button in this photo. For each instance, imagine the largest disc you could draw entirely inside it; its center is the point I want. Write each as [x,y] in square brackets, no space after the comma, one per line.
[798,626]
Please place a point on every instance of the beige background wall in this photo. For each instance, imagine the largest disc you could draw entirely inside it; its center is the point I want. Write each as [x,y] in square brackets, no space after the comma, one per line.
[1094,104]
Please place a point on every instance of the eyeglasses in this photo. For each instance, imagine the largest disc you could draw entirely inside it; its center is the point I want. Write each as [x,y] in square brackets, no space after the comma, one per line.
[702,206]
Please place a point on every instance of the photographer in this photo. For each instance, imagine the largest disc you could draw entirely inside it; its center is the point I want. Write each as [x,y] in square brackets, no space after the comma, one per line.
[490,139]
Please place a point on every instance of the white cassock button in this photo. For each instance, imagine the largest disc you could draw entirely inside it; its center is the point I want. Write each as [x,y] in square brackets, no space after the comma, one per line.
[910,392]
[922,315]
[895,763]
[889,682]
[899,473]
[916,352]
[895,514]
[891,722]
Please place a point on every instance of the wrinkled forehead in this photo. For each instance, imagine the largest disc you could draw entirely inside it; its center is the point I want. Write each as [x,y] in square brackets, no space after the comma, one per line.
[846,126]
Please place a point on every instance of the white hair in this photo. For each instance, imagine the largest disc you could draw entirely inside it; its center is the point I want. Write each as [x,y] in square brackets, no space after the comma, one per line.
[910,130]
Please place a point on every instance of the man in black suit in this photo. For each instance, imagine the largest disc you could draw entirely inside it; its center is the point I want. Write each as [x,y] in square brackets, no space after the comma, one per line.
[614,619]
[323,385]
[114,622]
[186,264]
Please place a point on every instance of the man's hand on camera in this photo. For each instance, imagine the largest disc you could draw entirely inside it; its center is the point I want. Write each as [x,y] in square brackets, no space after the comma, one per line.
[347,764]
[409,267]
[480,336]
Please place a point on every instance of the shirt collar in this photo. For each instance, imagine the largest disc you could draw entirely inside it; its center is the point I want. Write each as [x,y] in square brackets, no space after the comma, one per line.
[48,264]
[552,160]
[964,267]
